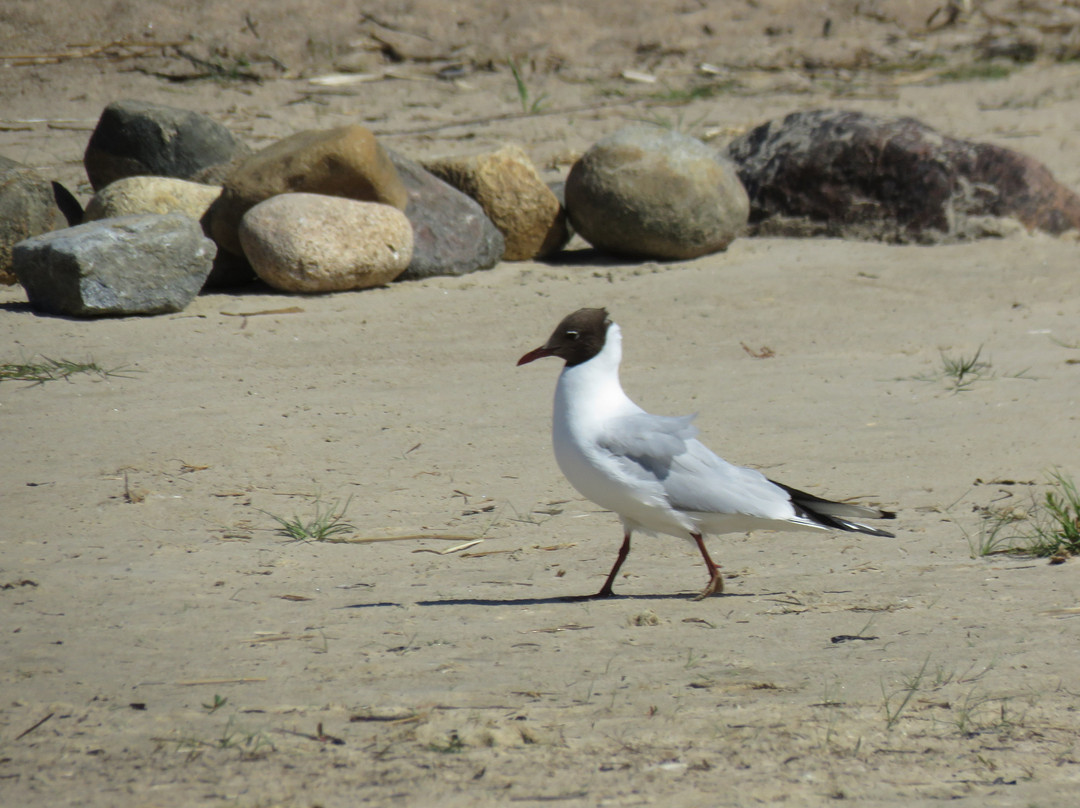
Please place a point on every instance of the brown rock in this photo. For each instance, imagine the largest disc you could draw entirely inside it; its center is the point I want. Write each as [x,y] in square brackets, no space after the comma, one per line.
[345,162]
[513,195]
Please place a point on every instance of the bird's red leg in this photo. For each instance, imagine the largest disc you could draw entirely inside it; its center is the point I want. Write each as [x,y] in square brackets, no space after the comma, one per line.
[716,583]
[624,551]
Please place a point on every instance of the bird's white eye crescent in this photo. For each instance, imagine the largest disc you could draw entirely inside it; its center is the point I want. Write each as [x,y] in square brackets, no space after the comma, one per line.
[572,335]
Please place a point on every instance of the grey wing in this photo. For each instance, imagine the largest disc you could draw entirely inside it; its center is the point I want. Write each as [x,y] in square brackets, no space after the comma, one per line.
[701,481]
[645,443]
[663,453]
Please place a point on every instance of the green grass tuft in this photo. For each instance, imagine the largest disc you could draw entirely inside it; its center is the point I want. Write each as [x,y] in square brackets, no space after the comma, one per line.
[1055,527]
[1050,528]
[698,91]
[529,105]
[961,372]
[327,523]
[982,71]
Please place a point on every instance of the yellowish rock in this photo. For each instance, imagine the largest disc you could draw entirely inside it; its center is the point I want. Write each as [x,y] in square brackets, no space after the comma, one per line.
[513,195]
[134,195]
[312,243]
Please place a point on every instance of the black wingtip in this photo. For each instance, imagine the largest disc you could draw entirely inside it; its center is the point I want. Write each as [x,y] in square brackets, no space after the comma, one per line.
[811,507]
[855,527]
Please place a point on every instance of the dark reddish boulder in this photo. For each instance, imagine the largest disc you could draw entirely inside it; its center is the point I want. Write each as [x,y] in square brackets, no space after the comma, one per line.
[852,175]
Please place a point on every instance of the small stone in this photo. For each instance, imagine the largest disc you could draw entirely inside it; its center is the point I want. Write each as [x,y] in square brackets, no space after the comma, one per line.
[148,264]
[646,618]
[852,175]
[313,243]
[134,138]
[451,233]
[28,207]
[513,195]
[648,192]
[344,162]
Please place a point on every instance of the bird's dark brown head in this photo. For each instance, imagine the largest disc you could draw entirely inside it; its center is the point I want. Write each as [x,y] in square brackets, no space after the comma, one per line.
[578,338]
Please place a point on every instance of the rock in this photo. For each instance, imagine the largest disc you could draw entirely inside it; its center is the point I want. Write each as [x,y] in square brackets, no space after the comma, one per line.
[134,138]
[649,192]
[346,162]
[216,174]
[451,233]
[147,264]
[852,175]
[28,207]
[134,195]
[509,189]
[316,243]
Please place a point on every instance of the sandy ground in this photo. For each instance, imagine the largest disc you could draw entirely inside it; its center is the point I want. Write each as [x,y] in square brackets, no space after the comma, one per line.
[163,645]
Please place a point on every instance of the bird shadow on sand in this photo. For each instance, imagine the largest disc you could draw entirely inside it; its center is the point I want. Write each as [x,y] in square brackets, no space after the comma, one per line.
[556,600]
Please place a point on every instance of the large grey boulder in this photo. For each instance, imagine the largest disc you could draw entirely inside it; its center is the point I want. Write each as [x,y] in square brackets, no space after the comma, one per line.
[147,264]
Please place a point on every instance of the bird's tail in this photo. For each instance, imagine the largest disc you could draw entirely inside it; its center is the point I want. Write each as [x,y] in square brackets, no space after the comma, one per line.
[836,515]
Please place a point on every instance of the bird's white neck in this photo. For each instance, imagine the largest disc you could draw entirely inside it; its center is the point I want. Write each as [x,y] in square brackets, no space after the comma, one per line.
[590,392]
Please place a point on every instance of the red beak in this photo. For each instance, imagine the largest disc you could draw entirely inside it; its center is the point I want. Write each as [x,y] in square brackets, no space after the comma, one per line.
[532,356]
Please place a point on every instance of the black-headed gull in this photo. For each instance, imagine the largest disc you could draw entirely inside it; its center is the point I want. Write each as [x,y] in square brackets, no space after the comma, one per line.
[651,470]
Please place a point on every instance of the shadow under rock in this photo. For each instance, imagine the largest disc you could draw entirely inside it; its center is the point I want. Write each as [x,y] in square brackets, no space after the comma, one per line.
[590,256]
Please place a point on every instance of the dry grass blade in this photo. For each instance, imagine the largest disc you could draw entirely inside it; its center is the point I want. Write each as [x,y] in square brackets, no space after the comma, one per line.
[49,370]
[115,50]
[455,549]
[410,537]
